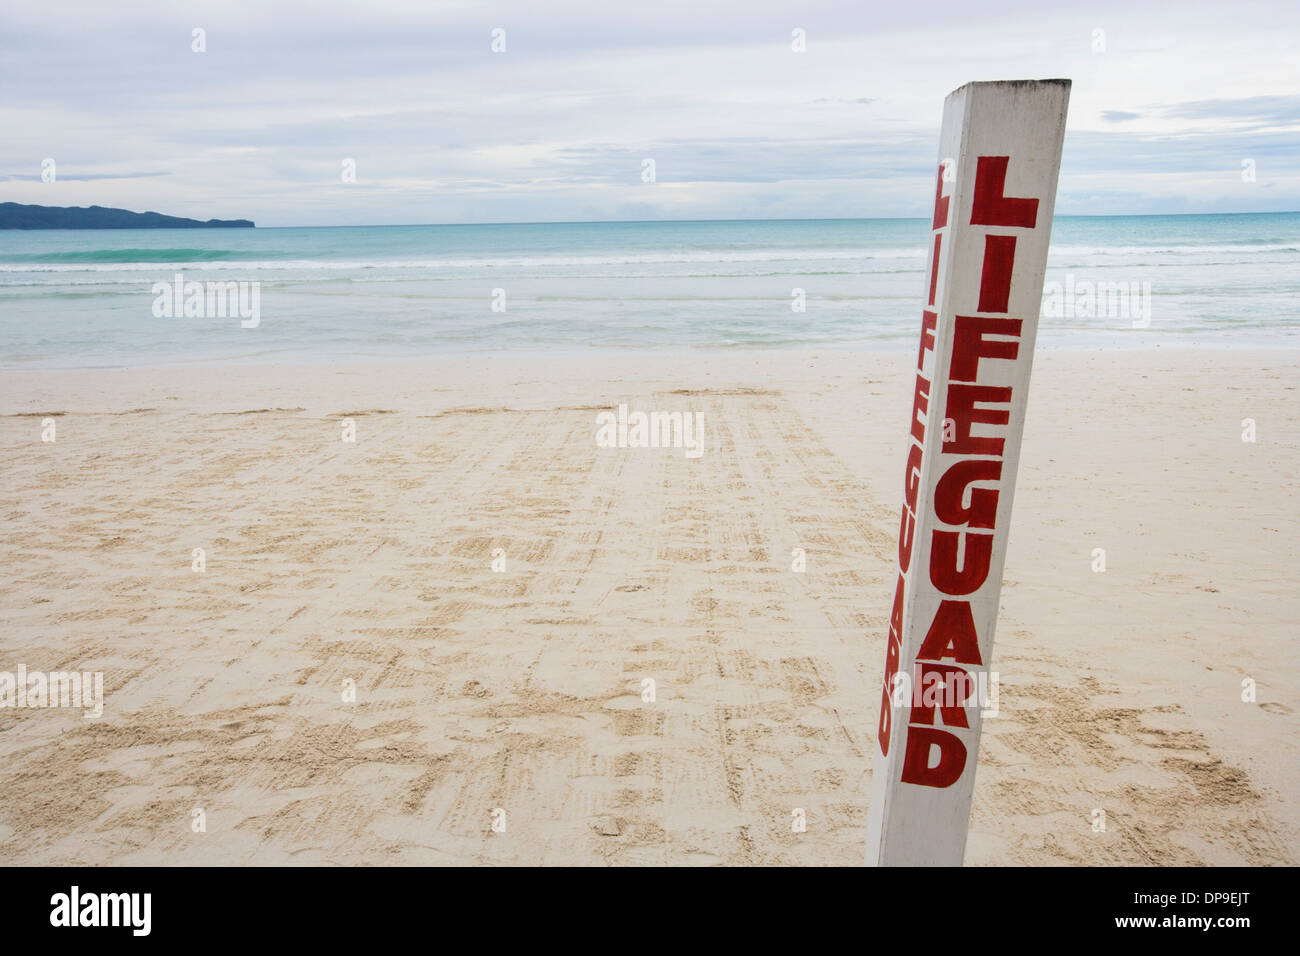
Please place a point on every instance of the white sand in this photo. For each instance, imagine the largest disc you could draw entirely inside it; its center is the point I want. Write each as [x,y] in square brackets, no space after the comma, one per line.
[329,561]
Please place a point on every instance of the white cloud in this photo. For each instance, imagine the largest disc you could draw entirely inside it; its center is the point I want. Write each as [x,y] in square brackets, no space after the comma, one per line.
[555,128]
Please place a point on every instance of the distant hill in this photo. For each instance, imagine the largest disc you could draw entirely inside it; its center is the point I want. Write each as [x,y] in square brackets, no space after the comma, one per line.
[17,216]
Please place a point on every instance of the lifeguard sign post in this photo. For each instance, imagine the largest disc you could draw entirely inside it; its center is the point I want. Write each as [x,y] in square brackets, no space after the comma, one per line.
[1000,152]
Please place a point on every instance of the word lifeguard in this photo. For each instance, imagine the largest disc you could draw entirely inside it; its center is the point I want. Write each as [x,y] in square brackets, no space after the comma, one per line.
[965,500]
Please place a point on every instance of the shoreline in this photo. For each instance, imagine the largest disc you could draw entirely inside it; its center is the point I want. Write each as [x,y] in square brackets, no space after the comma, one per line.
[545,353]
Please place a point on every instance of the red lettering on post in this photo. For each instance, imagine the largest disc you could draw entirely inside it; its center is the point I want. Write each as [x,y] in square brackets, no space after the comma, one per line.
[952,634]
[916,758]
[961,409]
[896,612]
[944,573]
[912,480]
[995,279]
[934,266]
[906,529]
[893,650]
[940,203]
[929,322]
[951,490]
[942,686]
[886,723]
[990,207]
[921,405]
[970,344]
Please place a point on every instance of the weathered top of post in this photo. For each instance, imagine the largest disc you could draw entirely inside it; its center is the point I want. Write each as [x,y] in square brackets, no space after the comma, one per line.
[1013,84]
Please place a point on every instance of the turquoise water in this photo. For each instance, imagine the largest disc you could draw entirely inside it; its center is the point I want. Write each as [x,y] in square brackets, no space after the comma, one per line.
[85,298]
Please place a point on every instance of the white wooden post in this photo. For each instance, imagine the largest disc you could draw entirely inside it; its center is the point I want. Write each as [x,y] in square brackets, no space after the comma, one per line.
[1000,152]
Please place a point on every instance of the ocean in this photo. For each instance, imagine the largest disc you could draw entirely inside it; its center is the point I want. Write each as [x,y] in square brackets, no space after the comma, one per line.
[87,298]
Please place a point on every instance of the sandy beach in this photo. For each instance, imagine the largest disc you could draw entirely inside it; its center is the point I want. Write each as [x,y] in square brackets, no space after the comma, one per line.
[500,716]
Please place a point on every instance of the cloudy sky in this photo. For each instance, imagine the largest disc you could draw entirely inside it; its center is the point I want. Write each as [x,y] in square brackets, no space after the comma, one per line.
[1166,107]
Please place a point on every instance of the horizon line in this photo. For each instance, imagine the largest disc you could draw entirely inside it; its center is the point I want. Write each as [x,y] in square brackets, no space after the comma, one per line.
[629,222]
